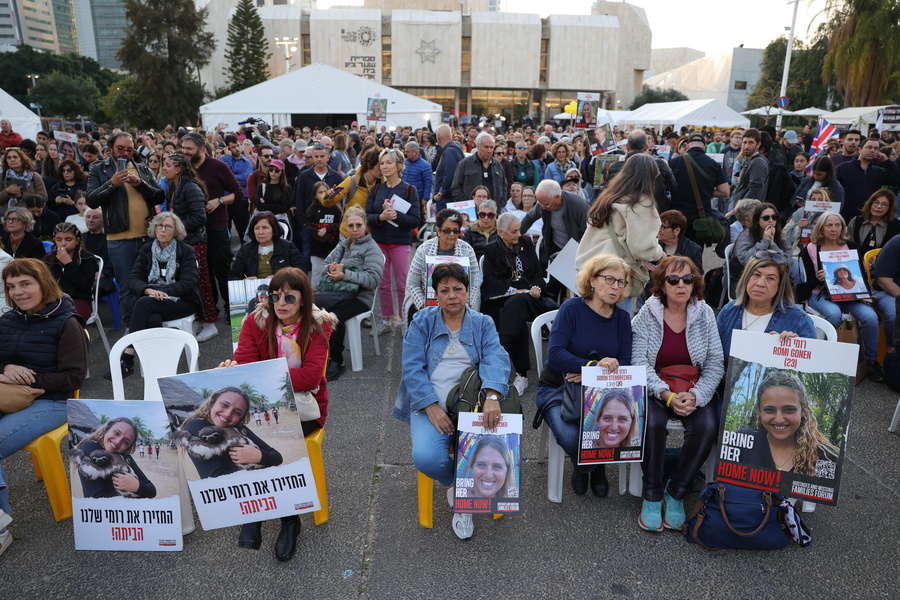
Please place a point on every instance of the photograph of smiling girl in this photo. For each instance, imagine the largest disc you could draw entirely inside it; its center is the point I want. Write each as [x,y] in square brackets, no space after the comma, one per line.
[488,465]
[110,476]
[785,430]
[238,471]
[612,420]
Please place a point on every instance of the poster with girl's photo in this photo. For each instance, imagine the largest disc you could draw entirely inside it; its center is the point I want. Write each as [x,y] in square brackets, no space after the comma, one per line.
[844,276]
[430,263]
[814,207]
[786,415]
[488,465]
[67,146]
[588,108]
[124,472]
[245,295]
[241,443]
[612,415]
[376,109]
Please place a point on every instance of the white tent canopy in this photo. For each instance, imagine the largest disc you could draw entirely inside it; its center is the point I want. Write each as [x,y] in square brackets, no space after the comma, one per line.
[602,115]
[860,116]
[812,111]
[698,113]
[769,111]
[23,121]
[318,89]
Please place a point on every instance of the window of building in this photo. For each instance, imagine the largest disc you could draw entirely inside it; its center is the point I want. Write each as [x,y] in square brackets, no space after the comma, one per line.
[465,64]
[545,60]
[740,85]
[385,59]
[446,97]
[554,102]
[306,51]
[512,104]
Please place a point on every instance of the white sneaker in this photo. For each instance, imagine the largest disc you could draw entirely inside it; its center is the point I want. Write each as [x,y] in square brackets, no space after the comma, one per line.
[207,332]
[520,383]
[463,526]
[384,328]
[6,540]
[5,519]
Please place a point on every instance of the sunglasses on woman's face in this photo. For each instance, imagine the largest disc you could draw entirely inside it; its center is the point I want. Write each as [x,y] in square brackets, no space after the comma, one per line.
[767,217]
[288,298]
[449,231]
[673,280]
[486,215]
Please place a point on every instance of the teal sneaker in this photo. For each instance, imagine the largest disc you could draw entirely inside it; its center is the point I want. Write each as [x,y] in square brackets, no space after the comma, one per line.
[651,516]
[674,509]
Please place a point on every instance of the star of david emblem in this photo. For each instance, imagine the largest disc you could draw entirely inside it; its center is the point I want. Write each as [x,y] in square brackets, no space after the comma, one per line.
[427,51]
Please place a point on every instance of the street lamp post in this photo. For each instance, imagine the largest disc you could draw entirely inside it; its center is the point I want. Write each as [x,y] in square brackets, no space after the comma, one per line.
[787,64]
[290,46]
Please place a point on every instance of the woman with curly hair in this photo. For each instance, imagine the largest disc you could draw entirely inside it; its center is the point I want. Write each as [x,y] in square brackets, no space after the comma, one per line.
[562,152]
[786,433]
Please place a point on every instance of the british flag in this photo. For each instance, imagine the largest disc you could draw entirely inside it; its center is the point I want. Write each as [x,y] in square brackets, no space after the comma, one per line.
[824,132]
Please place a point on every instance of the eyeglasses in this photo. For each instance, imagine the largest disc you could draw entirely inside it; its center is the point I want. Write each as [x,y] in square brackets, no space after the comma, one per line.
[612,281]
[128,149]
[166,227]
[13,220]
[665,227]
[262,294]
[266,155]
[288,298]
[773,255]
[767,217]
[521,147]
[355,226]
[449,231]
[486,215]
[673,280]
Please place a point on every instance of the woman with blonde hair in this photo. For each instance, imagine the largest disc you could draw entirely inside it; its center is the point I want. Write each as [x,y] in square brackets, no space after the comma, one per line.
[588,327]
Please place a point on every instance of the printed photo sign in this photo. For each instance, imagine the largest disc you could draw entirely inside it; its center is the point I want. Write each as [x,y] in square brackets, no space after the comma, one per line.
[612,415]
[488,465]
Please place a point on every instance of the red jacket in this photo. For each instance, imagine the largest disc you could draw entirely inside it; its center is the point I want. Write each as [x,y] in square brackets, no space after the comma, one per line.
[253,347]
[10,140]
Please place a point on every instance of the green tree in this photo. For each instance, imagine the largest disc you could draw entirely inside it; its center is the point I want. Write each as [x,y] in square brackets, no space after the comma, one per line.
[123,102]
[247,48]
[863,59]
[165,45]
[65,95]
[143,431]
[649,95]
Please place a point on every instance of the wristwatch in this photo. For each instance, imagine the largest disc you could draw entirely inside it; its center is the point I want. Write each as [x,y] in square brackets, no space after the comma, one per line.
[493,397]
[221,200]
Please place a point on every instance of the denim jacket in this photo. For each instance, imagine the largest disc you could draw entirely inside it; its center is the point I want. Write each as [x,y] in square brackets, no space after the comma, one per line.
[785,318]
[423,348]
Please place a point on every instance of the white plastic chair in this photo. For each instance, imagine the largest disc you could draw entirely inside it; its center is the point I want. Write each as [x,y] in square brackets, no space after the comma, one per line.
[353,335]
[159,349]
[726,276]
[185,324]
[95,313]
[824,329]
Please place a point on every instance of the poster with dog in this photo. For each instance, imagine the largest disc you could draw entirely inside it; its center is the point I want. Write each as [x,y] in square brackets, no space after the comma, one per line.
[124,472]
[241,443]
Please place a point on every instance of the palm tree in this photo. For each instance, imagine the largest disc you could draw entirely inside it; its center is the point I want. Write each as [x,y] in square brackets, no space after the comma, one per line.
[863,57]
[143,432]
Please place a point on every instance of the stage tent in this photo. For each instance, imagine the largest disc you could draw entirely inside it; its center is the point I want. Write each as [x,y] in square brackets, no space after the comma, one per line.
[690,113]
[23,121]
[855,117]
[318,90]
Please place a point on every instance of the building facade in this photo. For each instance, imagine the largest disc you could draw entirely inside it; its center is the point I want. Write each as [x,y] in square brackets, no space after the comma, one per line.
[484,63]
[47,25]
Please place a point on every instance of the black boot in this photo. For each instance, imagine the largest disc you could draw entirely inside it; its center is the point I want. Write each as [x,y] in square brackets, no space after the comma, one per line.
[599,483]
[579,481]
[286,544]
[250,536]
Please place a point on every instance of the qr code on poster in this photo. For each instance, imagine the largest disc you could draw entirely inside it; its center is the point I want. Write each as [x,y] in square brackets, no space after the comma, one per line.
[825,469]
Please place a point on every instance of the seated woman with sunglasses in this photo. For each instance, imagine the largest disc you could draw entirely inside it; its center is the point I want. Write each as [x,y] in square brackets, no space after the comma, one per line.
[512,291]
[447,243]
[828,234]
[483,231]
[765,303]
[266,253]
[675,332]
[763,234]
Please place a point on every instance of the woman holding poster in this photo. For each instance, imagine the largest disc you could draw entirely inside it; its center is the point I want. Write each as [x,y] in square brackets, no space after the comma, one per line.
[105,466]
[442,342]
[786,433]
[588,327]
[300,335]
[675,337]
[765,303]
[447,243]
[830,234]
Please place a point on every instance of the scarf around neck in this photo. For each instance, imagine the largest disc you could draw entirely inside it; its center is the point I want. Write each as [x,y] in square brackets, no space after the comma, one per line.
[166,255]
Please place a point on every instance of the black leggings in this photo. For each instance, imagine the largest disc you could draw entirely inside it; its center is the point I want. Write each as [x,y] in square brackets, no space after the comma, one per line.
[149,312]
[344,306]
[511,316]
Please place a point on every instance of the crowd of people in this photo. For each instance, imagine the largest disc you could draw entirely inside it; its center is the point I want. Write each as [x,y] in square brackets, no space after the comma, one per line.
[334,217]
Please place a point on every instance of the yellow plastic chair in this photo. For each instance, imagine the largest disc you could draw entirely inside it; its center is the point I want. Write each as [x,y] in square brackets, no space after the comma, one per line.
[869,264]
[426,501]
[50,468]
[314,448]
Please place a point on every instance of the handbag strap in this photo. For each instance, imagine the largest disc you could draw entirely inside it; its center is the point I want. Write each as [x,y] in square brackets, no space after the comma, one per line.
[696,532]
[689,163]
[767,497]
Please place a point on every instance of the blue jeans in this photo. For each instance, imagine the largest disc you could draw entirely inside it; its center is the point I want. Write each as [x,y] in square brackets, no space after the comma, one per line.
[19,429]
[566,434]
[122,255]
[430,448]
[865,314]
[887,304]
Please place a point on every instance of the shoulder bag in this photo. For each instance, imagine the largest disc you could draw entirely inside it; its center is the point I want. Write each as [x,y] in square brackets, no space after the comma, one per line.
[466,396]
[707,230]
[731,516]
[14,397]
